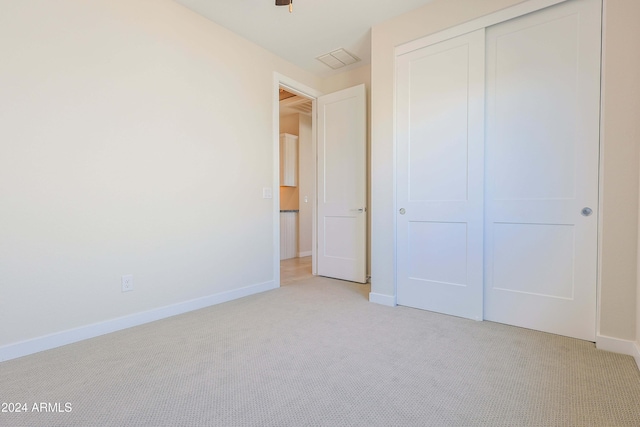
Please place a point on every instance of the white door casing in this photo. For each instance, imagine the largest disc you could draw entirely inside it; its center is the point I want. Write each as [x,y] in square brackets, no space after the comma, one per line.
[440,174]
[542,153]
[342,218]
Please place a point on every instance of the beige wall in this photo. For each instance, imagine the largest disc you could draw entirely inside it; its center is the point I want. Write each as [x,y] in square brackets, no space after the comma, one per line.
[621,20]
[125,149]
[620,158]
[289,124]
[620,115]
[360,75]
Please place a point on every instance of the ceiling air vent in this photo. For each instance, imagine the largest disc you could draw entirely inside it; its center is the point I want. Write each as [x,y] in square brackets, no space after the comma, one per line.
[338,59]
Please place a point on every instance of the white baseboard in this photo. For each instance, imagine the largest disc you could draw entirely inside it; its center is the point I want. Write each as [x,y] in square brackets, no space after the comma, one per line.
[617,345]
[58,339]
[389,300]
[304,254]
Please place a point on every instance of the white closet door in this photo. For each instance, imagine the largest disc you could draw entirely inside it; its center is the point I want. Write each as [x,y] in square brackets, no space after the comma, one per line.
[440,137]
[542,143]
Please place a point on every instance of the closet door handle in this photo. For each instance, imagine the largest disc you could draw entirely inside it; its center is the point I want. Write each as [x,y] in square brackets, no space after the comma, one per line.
[586,211]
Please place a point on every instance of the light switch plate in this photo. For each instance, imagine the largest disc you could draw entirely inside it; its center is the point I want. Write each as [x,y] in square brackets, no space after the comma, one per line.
[266,193]
[127,283]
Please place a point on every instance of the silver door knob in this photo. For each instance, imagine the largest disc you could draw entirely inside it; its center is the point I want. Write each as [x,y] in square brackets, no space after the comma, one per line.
[586,211]
[402,211]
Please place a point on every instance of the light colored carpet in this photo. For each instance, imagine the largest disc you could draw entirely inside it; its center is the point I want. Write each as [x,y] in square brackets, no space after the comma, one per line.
[317,353]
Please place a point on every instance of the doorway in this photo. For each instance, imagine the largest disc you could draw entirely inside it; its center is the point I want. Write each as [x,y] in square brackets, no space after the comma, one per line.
[297,185]
[338,171]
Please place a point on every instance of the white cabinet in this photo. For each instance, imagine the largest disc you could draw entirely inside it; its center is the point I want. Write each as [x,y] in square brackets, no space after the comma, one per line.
[288,234]
[288,160]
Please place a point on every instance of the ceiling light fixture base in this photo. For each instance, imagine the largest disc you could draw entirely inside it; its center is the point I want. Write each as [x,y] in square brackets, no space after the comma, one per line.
[285,3]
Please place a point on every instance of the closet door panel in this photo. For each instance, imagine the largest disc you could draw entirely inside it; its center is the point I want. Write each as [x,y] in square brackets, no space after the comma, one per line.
[542,149]
[440,134]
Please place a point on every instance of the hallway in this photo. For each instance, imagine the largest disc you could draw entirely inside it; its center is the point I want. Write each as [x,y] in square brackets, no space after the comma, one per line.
[294,269]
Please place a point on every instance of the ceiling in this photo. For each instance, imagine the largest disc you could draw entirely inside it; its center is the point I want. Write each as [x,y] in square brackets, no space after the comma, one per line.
[291,103]
[315,27]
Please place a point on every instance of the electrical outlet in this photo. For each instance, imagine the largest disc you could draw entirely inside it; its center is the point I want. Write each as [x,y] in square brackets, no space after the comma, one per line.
[127,283]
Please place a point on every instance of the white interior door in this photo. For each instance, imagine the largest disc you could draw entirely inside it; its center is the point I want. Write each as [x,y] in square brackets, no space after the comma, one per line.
[542,144]
[342,218]
[439,189]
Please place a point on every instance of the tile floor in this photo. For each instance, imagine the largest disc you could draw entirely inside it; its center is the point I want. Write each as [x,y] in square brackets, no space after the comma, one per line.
[294,269]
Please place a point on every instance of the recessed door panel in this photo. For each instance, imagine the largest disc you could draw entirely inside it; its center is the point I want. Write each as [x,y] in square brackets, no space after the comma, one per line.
[347,247]
[438,137]
[535,93]
[534,259]
[438,252]
[341,178]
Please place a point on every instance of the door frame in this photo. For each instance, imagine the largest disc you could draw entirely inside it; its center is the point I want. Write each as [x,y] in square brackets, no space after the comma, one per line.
[491,19]
[293,86]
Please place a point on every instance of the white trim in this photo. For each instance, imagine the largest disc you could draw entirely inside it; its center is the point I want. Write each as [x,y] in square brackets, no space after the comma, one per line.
[314,199]
[275,179]
[388,300]
[394,184]
[298,88]
[304,254]
[58,339]
[601,173]
[294,87]
[617,345]
[476,24]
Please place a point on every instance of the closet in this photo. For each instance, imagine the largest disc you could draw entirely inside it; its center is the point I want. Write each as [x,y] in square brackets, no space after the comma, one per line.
[497,150]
